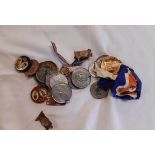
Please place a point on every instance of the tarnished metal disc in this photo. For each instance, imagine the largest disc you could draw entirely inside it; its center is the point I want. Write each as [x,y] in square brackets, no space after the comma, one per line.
[97,92]
[81,77]
[45,68]
[61,93]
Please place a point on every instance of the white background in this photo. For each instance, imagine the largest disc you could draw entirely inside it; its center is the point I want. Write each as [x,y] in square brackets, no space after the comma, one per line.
[134,45]
[75,12]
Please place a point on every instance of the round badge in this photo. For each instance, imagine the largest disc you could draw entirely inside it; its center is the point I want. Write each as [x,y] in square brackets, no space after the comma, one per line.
[39,94]
[32,71]
[81,78]
[61,93]
[23,64]
[97,92]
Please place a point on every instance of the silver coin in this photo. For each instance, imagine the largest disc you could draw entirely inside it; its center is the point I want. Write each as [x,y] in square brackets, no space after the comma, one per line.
[91,69]
[61,93]
[54,79]
[98,92]
[81,78]
[71,85]
[42,73]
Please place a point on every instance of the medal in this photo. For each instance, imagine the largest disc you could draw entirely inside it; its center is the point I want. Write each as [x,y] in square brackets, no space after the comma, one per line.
[98,92]
[23,64]
[81,78]
[61,93]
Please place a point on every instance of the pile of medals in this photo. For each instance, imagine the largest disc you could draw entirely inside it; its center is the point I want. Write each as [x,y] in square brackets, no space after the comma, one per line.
[55,85]
[115,76]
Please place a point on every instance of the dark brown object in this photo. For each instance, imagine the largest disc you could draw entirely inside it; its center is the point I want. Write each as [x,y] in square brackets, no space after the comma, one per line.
[65,70]
[60,56]
[50,100]
[82,55]
[45,122]
[32,71]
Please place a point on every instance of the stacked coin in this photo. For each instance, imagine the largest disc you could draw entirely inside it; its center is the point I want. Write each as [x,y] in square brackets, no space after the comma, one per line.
[106,68]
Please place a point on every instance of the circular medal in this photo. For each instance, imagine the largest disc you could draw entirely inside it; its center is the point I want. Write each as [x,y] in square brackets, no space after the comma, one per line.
[39,94]
[23,64]
[54,79]
[98,92]
[45,68]
[81,78]
[32,71]
[92,70]
[61,93]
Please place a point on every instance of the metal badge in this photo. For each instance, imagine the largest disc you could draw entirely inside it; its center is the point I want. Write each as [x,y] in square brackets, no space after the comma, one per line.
[32,71]
[81,77]
[61,93]
[97,92]
[39,94]
[23,64]
[45,122]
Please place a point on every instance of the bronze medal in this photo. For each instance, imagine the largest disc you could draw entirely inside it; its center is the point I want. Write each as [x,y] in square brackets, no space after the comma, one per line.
[39,94]
[33,69]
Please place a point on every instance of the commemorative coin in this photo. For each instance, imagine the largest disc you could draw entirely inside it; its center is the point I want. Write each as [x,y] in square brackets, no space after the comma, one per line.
[81,78]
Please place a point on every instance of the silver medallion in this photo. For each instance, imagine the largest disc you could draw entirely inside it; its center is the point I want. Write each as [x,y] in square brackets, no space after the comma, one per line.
[98,92]
[61,93]
[81,78]
[53,79]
